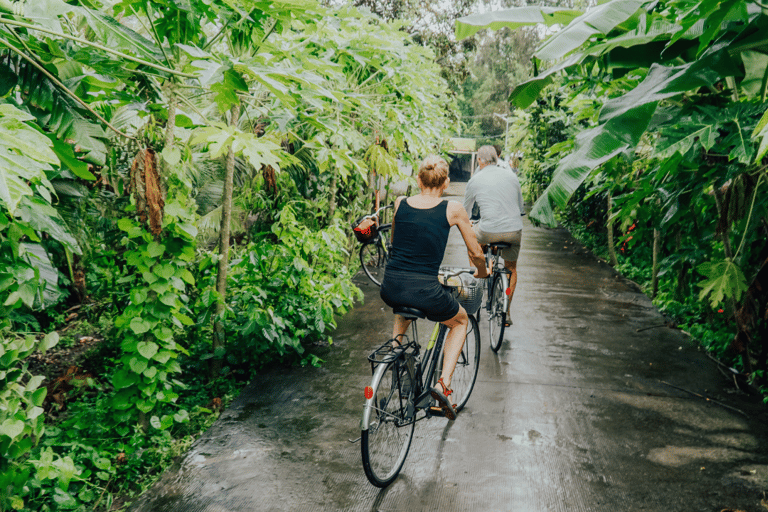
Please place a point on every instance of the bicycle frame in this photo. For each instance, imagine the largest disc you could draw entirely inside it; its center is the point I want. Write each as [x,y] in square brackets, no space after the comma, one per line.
[495,267]
[431,358]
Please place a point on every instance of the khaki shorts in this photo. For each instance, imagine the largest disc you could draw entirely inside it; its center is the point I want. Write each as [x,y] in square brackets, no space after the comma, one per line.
[514,239]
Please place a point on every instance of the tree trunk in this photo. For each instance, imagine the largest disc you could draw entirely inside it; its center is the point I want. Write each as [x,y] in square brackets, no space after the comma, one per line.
[655,271]
[681,288]
[721,212]
[170,127]
[611,243]
[726,235]
[332,201]
[221,279]
[751,318]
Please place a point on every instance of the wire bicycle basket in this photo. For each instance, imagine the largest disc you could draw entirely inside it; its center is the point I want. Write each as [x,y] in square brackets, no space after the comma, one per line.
[467,289]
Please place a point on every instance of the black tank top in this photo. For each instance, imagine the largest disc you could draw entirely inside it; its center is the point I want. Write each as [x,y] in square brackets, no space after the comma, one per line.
[420,237]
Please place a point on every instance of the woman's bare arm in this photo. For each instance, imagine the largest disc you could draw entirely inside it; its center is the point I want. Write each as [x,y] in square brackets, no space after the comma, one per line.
[394,214]
[457,216]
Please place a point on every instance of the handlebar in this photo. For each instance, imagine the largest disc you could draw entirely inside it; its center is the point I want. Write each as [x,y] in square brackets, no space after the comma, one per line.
[449,272]
[376,213]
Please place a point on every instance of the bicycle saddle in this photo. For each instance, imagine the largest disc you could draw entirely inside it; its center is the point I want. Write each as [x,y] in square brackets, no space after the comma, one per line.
[409,313]
[499,245]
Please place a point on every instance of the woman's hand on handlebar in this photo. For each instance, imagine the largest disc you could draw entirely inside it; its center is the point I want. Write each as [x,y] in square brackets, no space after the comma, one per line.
[481,276]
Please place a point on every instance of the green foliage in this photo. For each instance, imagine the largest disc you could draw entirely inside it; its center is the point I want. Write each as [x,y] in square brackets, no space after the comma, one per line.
[724,281]
[150,350]
[21,413]
[285,289]
[85,90]
[673,96]
[25,156]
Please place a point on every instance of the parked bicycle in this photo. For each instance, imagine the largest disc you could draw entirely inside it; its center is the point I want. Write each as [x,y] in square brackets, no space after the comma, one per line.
[375,237]
[399,393]
[498,294]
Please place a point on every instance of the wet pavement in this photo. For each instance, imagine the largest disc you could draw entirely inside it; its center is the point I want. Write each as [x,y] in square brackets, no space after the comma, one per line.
[590,405]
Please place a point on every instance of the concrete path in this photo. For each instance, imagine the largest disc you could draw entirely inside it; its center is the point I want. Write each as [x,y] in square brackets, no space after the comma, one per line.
[590,405]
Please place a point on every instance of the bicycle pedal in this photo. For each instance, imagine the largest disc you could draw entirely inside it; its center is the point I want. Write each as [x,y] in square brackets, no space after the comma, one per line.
[436,411]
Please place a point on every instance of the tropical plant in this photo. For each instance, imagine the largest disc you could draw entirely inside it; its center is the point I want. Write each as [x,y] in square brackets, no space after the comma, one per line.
[680,89]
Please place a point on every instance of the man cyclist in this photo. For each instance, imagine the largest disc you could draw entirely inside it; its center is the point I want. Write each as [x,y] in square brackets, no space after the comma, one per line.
[497,193]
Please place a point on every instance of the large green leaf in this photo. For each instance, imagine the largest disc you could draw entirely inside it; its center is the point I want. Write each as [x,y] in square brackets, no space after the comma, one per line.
[623,121]
[594,147]
[46,12]
[761,133]
[598,20]
[119,37]
[526,93]
[36,255]
[61,115]
[665,82]
[25,155]
[514,18]
[43,217]
[755,65]
[724,280]
[696,130]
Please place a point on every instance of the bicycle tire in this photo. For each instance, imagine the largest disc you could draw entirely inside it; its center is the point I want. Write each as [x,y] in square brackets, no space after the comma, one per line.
[467,367]
[385,441]
[497,315]
[374,255]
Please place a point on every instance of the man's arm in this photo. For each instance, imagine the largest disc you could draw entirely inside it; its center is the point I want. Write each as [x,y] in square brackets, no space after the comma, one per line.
[469,199]
[520,196]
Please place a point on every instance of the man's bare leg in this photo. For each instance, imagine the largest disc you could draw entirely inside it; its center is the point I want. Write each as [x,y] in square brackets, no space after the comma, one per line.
[512,267]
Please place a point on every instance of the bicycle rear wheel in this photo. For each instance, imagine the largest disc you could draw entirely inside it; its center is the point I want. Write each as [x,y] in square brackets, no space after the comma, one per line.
[374,255]
[385,442]
[497,316]
[465,374]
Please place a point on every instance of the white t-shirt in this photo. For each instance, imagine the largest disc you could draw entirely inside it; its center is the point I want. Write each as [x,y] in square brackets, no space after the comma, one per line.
[497,192]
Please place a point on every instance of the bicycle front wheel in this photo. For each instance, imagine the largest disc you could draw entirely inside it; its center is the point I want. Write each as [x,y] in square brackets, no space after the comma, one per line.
[464,376]
[386,440]
[375,255]
[497,316]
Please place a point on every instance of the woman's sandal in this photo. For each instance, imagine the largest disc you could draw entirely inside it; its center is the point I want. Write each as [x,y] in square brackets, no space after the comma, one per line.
[441,395]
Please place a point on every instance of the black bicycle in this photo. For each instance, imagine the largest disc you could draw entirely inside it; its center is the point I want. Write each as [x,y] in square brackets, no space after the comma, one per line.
[498,294]
[399,393]
[374,253]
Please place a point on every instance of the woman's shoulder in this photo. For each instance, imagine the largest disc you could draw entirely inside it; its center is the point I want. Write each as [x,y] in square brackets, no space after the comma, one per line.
[454,211]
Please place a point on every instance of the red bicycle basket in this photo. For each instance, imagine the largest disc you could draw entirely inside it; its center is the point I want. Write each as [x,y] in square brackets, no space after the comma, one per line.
[365,229]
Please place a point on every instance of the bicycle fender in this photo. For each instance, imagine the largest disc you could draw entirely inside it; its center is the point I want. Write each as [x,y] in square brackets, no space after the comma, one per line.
[369,402]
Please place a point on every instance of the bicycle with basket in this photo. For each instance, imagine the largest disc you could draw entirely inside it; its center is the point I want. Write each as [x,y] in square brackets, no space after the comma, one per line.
[402,376]
[376,244]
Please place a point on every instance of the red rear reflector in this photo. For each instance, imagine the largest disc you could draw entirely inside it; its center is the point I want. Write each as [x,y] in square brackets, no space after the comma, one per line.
[508,291]
[368,392]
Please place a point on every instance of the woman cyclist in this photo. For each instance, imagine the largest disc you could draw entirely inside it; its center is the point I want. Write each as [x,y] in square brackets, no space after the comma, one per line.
[419,235]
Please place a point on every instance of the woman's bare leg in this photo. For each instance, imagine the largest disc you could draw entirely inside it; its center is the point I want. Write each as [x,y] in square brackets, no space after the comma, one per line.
[398,330]
[454,342]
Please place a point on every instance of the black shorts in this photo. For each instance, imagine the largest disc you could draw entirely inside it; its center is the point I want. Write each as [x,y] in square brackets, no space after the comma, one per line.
[418,291]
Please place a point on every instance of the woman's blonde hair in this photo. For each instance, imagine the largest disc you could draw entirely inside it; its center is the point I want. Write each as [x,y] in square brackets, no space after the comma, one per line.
[433,171]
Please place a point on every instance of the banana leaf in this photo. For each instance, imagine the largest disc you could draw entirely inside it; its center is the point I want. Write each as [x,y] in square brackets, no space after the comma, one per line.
[623,121]
[599,20]
[517,17]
